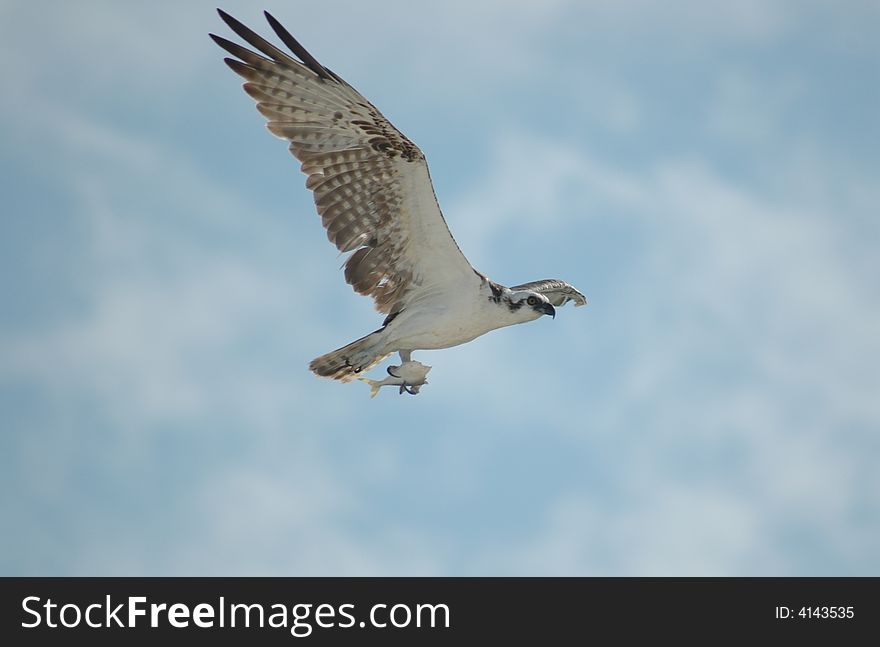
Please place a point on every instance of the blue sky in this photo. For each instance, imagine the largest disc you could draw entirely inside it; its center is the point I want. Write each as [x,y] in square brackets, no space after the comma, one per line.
[707,175]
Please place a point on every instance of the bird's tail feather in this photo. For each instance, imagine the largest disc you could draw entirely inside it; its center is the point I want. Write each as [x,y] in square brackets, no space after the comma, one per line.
[347,362]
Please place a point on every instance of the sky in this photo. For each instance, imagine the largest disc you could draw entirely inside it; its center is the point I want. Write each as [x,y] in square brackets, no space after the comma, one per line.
[706,173]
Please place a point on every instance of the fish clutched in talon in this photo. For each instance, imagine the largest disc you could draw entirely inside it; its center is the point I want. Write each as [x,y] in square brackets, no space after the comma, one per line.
[414,374]
[375,385]
[409,376]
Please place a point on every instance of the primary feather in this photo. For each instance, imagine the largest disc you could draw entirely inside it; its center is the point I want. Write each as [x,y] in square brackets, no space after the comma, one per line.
[370,183]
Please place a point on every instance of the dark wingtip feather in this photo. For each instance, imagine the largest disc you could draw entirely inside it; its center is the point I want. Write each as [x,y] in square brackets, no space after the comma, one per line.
[295,47]
[226,17]
[237,50]
[238,27]
[231,22]
[222,42]
[238,67]
[249,35]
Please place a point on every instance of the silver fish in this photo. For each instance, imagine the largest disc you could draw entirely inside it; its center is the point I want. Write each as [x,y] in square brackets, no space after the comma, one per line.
[409,376]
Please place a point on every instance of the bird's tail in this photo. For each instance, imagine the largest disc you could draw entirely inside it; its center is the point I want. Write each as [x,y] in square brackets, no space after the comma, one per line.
[345,363]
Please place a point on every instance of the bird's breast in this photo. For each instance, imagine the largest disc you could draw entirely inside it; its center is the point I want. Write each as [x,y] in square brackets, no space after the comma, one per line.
[456,322]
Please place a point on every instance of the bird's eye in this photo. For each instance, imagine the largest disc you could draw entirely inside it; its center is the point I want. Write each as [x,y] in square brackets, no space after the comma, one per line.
[532,301]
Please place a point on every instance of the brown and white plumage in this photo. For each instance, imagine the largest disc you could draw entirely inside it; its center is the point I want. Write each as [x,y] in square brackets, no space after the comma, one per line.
[373,192]
[361,169]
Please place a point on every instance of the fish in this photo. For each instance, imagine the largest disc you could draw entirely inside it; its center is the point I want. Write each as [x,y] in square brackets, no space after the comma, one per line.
[409,376]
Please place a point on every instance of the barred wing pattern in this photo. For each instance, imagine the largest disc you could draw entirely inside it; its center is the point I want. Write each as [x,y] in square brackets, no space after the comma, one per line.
[557,292]
[370,183]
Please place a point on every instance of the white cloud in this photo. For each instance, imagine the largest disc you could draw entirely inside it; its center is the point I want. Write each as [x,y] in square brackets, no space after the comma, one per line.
[676,530]
[746,321]
[750,112]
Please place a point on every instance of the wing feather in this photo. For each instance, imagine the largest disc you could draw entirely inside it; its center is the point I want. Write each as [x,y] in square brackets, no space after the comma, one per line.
[371,184]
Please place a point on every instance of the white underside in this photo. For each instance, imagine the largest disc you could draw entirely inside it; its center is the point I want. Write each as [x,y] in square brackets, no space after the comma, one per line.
[448,303]
[445,322]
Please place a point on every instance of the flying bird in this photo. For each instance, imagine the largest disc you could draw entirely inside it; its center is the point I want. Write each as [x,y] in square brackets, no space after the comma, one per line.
[374,194]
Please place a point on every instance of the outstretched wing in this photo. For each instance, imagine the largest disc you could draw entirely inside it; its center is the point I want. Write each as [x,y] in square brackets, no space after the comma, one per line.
[370,183]
[557,292]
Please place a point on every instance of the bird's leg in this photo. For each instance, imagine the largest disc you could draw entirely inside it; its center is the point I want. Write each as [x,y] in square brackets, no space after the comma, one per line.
[405,356]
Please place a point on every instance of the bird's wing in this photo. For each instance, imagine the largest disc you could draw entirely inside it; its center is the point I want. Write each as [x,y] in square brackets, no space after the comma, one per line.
[557,292]
[370,183]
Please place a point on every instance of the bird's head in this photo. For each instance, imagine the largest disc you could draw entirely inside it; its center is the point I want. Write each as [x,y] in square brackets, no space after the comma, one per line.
[529,305]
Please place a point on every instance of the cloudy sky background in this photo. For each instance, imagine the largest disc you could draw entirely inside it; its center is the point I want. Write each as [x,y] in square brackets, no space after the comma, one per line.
[705,172]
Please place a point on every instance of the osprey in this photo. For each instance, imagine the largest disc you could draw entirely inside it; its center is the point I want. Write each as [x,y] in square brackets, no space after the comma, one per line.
[374,195]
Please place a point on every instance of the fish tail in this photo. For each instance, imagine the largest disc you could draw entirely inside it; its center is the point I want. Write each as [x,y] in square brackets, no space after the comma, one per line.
[374,386]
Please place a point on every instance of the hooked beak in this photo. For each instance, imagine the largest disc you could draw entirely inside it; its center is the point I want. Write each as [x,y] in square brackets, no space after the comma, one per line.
[548,309]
